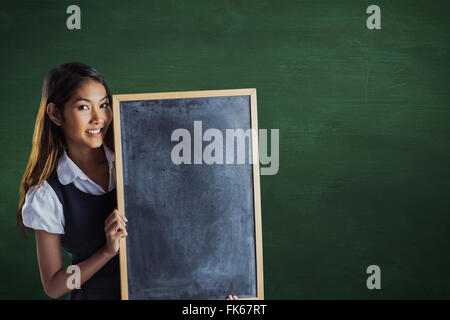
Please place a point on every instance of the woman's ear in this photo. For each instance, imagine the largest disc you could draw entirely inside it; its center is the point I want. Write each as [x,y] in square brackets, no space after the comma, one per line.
[54,114]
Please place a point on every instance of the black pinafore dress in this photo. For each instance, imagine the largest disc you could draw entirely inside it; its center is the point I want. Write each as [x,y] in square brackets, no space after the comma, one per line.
[84,234]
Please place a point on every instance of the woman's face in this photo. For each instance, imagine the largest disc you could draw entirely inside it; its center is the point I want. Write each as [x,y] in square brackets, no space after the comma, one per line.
[87,116]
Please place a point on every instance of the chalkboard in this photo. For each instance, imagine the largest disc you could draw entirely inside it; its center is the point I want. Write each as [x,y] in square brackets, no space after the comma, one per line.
[194,226]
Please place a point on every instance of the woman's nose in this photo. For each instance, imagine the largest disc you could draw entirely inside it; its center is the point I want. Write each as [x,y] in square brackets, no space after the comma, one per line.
[95,116]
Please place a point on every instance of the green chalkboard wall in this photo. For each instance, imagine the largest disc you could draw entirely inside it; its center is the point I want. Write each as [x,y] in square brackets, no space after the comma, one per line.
[364,175]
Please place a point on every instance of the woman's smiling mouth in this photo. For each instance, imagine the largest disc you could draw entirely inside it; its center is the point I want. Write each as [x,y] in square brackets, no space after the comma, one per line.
[94,132]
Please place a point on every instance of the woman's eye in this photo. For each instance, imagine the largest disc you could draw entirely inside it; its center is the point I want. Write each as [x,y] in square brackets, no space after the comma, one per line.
[105,105]
[83,107]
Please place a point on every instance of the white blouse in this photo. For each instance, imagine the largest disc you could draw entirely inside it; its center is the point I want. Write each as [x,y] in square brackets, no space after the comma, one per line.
[42,209]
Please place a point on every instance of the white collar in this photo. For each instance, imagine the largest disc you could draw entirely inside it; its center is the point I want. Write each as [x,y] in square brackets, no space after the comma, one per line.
[68,171]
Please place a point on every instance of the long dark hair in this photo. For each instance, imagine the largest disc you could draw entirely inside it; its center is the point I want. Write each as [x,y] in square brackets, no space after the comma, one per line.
[48,139]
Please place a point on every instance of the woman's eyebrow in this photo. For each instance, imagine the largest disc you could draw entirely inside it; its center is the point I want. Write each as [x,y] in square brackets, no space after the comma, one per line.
[85,99]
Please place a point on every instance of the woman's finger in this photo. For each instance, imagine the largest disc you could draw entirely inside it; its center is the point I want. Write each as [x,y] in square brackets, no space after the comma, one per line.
[110,224]
[111,216]
[115,227]
[120,234]
[119,226]
[112,229]
[123,219]
[114,220]
[124,235]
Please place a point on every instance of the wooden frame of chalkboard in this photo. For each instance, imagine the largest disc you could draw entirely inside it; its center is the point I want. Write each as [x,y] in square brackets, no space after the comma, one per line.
[119,100]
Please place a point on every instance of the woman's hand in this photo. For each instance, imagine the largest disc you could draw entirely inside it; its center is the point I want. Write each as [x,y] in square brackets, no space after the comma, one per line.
[114,230]
[230,297]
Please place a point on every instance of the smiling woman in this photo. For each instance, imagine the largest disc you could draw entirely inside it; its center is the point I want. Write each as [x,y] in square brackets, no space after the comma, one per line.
[84,121]
[68,189]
